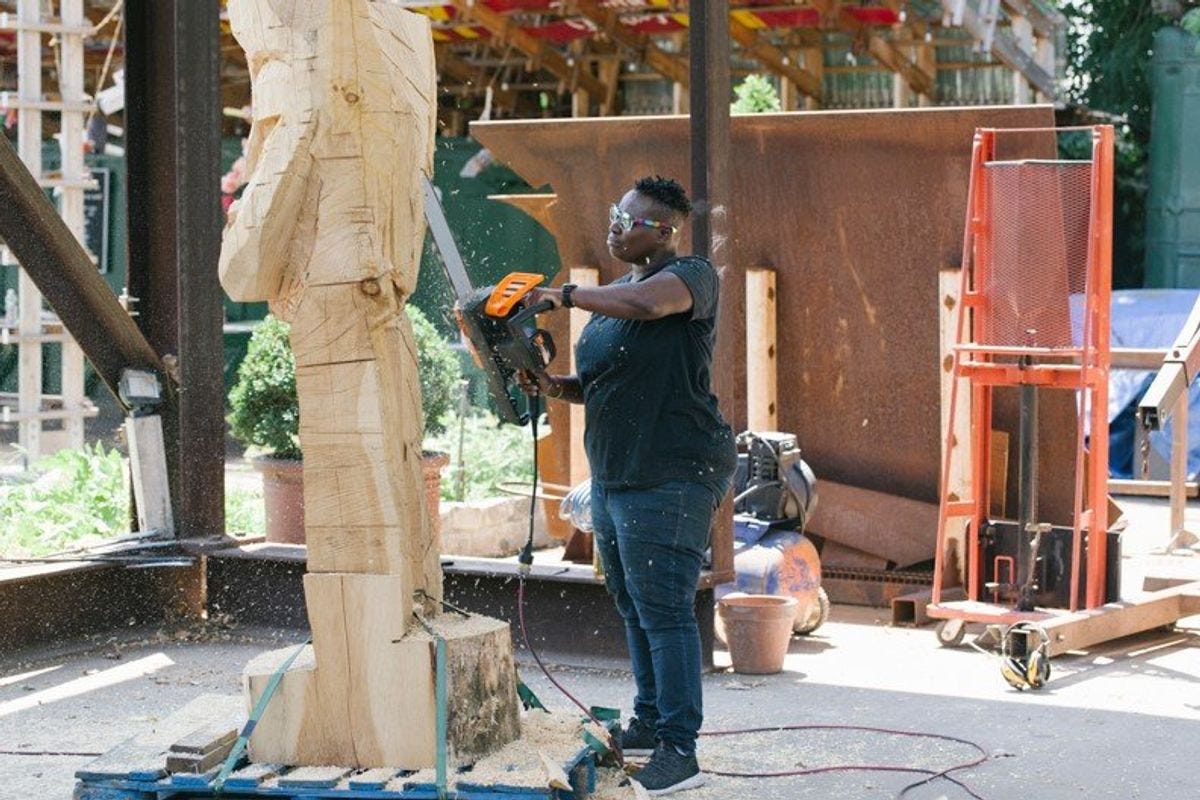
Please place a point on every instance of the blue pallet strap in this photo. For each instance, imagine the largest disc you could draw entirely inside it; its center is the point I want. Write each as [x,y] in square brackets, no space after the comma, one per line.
[255,715]
[440,692]
[528,698]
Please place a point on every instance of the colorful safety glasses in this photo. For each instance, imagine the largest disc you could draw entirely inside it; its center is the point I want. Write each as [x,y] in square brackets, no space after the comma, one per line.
[628,222]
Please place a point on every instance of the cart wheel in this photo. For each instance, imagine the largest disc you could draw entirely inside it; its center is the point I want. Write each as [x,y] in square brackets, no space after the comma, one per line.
[950,632]
[815,619]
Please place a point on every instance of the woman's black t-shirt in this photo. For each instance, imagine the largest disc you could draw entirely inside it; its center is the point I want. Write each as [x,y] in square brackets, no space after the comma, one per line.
[651,416]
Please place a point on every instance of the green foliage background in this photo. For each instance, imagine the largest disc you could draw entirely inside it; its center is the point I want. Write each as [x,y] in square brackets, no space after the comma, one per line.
[1109,46]
[265,412]
[755,95]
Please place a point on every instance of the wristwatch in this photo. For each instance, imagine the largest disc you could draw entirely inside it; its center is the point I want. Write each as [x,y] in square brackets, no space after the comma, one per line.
[567,288]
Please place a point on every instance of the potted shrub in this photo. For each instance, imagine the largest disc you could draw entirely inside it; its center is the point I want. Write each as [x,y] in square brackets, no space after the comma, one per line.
[265,417]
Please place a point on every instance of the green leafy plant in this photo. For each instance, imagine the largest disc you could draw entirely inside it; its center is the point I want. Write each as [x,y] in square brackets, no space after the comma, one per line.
[265,412]
[1191,23]
[245,514]
[438,368]
[72,498]
[491,454]
[755,94]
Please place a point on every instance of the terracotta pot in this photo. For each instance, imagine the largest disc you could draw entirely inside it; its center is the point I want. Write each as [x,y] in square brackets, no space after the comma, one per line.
[283,494]
[431,466]
[758,628]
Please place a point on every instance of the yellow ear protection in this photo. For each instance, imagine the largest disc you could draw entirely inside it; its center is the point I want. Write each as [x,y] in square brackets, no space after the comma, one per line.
[1031,669]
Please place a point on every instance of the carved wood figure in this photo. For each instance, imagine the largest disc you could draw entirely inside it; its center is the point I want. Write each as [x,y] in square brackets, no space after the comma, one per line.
[329,230]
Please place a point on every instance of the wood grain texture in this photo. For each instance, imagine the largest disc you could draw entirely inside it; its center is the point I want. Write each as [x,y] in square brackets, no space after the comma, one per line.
[397,728]
[330,230]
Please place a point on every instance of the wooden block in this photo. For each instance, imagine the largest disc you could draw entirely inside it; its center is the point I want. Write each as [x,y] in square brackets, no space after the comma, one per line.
[144,757]
[198,762]
[556,776]
[148,463]
[340,398]
[382,691]
[373,779]
[204,740]
[194,780]
[252,776]
[303,723]
[313,777]
[375,550]
[333,324]
[898,529]
[761,408]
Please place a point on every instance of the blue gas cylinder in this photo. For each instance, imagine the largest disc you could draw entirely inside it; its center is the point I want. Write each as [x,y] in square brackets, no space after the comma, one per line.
[778,562]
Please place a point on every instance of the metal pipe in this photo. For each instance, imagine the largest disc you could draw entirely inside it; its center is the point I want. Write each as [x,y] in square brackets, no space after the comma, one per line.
[1027,499]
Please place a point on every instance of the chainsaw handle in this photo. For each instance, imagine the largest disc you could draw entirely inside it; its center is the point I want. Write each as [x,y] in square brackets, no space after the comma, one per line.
[531,312]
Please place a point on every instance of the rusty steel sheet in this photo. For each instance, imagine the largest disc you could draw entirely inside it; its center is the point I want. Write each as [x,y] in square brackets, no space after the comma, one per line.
[857,211]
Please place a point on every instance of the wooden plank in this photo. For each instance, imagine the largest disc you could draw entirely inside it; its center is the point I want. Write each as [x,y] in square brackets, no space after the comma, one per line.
[148,463]
[774,59]
[507,32]
[1022,33]
[313,777]
[1004,47]
[146,753]
[29,144]
[54,263]
[1084,629]
[959,454]
[74,172]
[671,67]
[203,741]
[199,763]
[895,528]
[762,412]
[252,776]
[373,779]
[1136,488]
[813,60]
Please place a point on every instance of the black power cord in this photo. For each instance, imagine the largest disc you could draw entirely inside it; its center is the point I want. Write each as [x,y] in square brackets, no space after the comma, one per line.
[525,567]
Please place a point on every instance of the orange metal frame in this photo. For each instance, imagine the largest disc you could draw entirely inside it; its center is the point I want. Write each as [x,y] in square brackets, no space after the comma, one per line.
[1087,376]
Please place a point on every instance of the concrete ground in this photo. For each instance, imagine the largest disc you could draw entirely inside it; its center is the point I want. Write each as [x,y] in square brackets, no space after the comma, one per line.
[1113,723]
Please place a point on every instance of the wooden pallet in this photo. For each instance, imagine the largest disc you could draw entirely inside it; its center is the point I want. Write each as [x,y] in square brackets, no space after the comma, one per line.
[137,770]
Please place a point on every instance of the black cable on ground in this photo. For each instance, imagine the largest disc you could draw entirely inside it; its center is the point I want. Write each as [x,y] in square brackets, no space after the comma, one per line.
[932,774]
[48,753]
[525,564]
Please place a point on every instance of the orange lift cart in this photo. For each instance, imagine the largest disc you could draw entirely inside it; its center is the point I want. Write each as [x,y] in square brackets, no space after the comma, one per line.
[1037,255]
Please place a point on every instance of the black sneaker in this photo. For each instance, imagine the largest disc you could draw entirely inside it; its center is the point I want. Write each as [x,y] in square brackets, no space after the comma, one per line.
[638,739]
[669,772]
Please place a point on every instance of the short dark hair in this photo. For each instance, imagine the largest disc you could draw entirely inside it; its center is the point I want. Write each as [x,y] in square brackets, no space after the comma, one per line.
[665,191]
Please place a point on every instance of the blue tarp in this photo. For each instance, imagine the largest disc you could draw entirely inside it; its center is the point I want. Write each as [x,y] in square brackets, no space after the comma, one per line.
[1143,318]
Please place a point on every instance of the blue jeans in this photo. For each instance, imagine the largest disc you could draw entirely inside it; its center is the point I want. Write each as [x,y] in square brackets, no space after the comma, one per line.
[651,543]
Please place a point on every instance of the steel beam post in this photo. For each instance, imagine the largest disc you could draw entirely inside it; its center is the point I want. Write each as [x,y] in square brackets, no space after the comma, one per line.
[173,141]
[712,191]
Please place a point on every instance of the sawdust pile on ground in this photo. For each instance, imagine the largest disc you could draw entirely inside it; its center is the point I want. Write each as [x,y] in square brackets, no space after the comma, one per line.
[557,734]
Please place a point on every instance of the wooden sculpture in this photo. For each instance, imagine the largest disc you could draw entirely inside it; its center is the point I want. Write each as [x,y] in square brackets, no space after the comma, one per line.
[329,230]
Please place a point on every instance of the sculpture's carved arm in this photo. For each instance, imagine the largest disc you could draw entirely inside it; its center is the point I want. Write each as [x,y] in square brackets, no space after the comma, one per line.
[260,227]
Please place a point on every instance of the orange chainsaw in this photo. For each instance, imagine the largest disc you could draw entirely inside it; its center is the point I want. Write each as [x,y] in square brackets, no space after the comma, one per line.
[498,323]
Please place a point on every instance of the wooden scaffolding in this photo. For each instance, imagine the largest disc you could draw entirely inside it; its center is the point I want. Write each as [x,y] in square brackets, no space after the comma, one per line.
[36,325]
